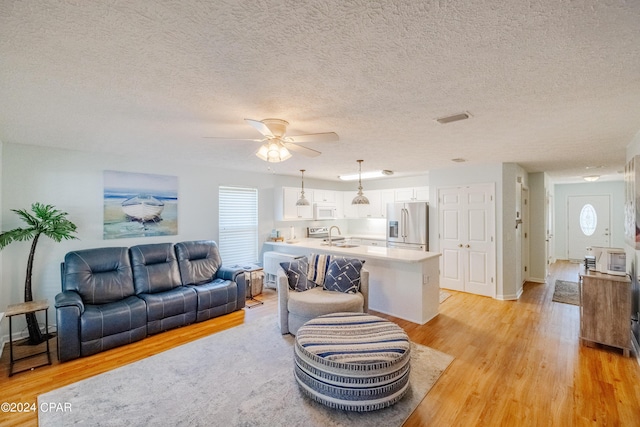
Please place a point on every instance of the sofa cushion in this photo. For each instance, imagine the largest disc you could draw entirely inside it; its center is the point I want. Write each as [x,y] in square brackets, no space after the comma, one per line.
[155,268]
[318,265]
[100,276]
[343,275]
[198,261]
[99,321]
[296,272]
[169,303]
[316,302]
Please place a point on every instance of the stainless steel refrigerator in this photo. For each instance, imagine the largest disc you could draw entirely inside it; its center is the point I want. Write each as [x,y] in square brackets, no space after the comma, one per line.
[408,225]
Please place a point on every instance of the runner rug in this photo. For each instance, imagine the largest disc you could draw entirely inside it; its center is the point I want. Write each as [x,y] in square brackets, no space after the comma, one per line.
[242,376]
[566,292]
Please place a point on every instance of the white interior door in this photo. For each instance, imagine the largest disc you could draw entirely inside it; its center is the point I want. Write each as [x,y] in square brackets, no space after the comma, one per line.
[451,247]
[588,224]
[467,228]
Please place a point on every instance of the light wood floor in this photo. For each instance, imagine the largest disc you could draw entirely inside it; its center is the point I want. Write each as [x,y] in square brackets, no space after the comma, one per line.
[517,363]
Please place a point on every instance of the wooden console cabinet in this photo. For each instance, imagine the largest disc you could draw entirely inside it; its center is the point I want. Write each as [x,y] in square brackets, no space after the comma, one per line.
[605,310]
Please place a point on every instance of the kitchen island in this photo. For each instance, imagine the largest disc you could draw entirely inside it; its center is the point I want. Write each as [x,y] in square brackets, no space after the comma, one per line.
[402,283]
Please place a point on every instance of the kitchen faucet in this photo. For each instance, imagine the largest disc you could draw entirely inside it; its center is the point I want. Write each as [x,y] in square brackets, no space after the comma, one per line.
[331,228]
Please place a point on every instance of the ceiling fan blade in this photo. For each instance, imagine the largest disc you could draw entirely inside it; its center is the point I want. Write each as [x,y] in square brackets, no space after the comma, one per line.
[260,127]
[314,137]
[233,139]
[302,150]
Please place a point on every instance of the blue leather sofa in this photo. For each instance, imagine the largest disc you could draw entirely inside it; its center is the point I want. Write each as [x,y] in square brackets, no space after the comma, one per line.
[115,296]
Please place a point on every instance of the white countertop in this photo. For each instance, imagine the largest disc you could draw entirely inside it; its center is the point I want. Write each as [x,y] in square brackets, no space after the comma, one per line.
[364,251]
[366,236]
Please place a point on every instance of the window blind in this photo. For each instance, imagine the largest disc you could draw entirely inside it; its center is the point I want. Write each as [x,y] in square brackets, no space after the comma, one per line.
[238,225]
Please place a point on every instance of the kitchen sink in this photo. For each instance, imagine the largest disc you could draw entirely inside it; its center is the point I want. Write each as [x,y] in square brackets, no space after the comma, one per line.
[345,245]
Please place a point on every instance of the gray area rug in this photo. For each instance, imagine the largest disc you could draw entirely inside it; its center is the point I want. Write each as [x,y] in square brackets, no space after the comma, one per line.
[239,377]
[566,292]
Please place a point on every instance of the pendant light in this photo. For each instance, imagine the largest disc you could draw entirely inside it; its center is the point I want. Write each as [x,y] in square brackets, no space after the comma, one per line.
[360,199]
[302,201]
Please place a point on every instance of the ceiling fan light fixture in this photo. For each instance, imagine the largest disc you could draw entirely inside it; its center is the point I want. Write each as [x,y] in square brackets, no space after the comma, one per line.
[273,152]
[302,201]
[360,199]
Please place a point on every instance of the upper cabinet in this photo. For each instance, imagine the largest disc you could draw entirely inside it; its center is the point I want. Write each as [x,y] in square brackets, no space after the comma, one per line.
[290,211]
[386,197]
[326,196]
[412,194]
[286,209]
[372,210]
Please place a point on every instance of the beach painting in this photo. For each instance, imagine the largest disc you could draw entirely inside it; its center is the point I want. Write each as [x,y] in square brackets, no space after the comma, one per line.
[139,205]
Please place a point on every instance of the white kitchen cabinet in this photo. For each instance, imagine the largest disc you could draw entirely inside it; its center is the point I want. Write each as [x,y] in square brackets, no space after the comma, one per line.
[373,242]
[386,197]
[324,196]
[372,210]
[290,211]
[348,210]
[412,194]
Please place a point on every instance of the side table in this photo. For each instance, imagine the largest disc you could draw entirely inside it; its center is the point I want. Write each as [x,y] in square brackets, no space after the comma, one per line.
[24,308]
[252,270]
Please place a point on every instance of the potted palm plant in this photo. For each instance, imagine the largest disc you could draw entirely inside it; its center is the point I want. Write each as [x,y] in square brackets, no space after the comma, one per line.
[43,219]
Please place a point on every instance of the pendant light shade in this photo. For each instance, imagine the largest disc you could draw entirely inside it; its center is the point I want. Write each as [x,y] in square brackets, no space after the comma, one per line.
[360,199]
[302,201]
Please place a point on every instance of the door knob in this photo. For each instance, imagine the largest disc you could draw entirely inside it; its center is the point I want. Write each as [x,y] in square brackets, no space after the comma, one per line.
[460,245]
[467,246]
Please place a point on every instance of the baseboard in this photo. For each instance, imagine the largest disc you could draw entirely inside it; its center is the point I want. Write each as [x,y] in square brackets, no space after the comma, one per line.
[536,280]
[17,336]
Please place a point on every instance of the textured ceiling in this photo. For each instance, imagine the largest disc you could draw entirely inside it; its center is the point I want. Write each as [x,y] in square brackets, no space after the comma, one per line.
[551,85]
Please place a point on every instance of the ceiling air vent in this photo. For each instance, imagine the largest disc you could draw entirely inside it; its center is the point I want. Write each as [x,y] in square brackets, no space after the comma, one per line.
[454,118]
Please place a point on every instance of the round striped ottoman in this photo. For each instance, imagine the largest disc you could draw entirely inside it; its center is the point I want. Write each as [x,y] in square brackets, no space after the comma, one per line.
[352,361]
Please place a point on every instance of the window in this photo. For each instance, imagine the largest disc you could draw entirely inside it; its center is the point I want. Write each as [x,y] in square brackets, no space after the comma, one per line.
[588,219]
[238,225]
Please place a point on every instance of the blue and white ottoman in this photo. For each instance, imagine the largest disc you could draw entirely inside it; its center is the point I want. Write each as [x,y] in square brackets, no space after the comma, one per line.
[352,361]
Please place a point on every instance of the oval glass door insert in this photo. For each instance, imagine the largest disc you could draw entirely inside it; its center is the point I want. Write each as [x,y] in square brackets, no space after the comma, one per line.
[588,219]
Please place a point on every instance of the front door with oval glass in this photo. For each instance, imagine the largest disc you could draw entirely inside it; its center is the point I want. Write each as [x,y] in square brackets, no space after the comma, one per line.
[588,224]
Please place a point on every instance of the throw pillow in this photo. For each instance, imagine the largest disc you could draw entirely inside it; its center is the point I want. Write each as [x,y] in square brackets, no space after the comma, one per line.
[343,275]
[318,265]
[296,272]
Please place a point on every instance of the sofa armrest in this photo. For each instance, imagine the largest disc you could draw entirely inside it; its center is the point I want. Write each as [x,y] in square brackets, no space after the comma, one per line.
[282,284]
[237,275]
[228,273]
[364,288]
[69,299]
[69,307]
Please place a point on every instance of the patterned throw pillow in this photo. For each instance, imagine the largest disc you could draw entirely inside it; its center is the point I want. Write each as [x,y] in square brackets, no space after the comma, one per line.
[296,272]
[318,265]
[343,275]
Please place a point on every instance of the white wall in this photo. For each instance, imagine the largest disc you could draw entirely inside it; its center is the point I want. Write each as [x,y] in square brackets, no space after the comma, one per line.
[72,181]
[562,192]
[464,175]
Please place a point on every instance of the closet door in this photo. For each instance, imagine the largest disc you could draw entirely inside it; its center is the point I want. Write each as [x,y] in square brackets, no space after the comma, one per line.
[467,238]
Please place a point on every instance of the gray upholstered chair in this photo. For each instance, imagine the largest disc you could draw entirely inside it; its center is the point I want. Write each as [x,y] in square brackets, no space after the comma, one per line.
[296,308]
[157,281]
[220,290]
[98,308]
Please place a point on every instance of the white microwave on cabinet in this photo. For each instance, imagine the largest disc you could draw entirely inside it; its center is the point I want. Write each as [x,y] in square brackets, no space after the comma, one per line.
[324,211]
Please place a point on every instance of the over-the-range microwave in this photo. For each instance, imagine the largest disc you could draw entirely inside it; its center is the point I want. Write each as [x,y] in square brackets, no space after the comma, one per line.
[324,211]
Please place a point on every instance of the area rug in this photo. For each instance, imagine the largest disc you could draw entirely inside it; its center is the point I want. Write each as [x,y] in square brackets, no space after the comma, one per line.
[566,292]
[239,377]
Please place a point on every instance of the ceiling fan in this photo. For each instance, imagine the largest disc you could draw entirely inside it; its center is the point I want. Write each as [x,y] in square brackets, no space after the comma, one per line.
[276,144]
